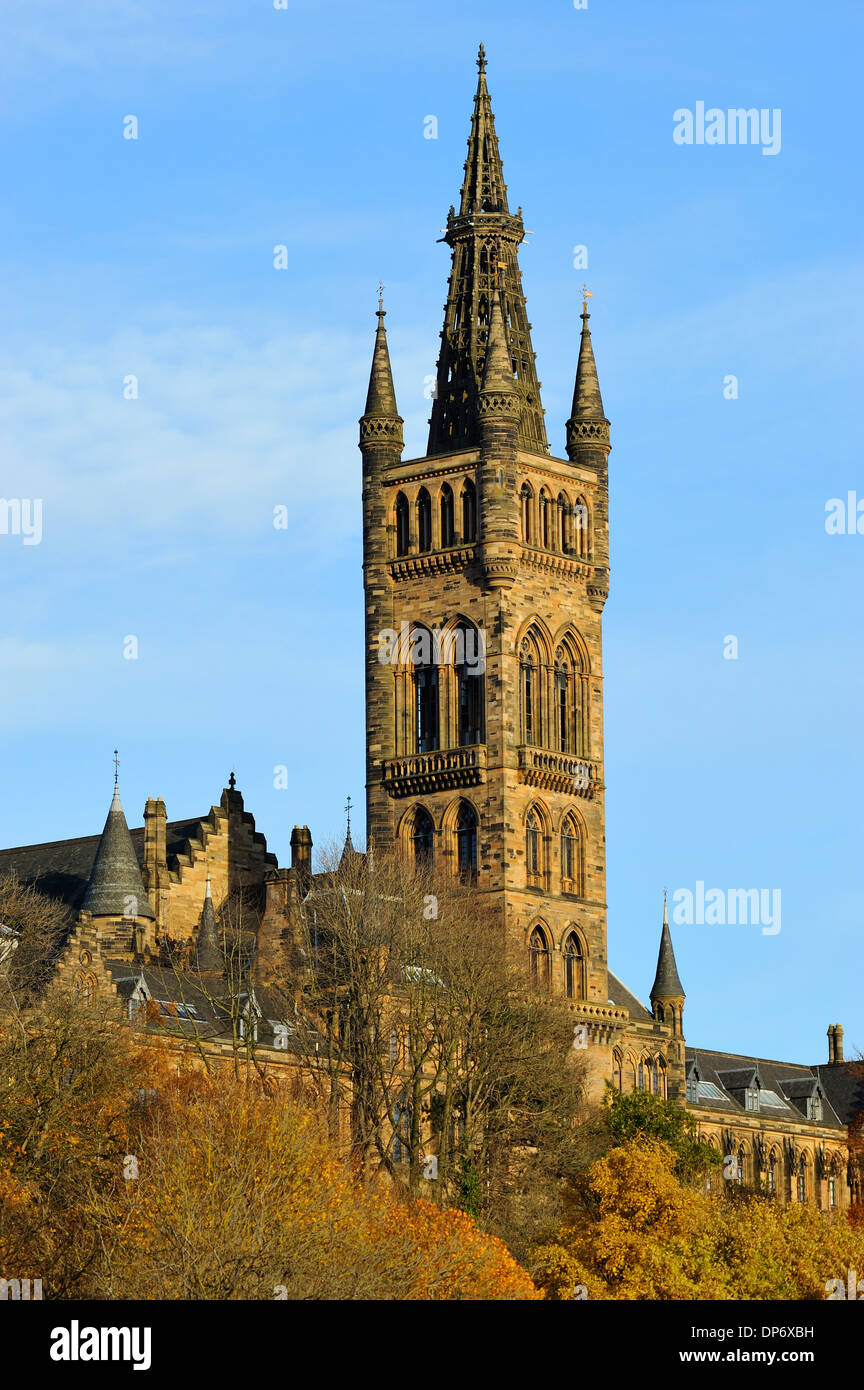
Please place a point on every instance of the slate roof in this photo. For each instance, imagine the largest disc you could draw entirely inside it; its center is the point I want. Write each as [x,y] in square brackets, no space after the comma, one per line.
[199,1009]
[843,1084]
[622,998]
[667,982]
[61,868]
[730,1073]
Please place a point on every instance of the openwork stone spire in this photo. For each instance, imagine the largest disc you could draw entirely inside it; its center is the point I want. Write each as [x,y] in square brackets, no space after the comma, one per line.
[484,237]
[116,888]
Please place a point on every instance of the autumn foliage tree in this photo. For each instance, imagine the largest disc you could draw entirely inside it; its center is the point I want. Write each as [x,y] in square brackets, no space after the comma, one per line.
[652,1235]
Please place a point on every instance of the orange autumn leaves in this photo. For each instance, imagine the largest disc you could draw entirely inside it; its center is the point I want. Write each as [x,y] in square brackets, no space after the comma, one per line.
[242,1196]
[122,1177]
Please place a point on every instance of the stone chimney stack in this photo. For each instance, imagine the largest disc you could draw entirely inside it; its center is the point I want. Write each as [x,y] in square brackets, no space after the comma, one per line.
[301,854]
[835,1043]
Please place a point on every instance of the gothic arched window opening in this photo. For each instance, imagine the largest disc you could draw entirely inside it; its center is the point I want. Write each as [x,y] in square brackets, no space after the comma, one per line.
[403,531]
[574,968]
[423,836]
[426,707]
[466,842]
[469,513]
[447,516]
[526,500]
[424,521]
[532,845]
[538,946]
[470,682]
[571,856]
[544,519]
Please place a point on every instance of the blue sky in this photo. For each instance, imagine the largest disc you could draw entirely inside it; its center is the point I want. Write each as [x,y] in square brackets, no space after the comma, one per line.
[304,127]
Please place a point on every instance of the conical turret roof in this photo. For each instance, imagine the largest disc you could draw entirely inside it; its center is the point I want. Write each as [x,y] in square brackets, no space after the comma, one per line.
[587,401]
[208,953]
[116,888]
[381,396]
[667,982]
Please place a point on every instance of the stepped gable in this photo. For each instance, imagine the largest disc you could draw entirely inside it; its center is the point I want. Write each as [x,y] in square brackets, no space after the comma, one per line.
[62,868]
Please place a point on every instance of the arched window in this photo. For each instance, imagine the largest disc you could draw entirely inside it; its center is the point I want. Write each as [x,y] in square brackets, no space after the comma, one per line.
[469,658]
[580,528]
[544,519]
[571,722]
[425,692]
[563,523]
[655,1077]
[802,1178]
[742,1165]
[541,960]
[564,731]
[571,857]
[424,521]
[640,1075]
[526,500]
[617,1071]
[469,512]
[772,1175]
[532,846]
[447,518]
[531,676]
[403,536]
[423,836]
[466,841]
[661,1087]
[574,968]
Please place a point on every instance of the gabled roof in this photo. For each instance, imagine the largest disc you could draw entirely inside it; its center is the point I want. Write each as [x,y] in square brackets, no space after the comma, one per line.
[623,998]
[724,1076]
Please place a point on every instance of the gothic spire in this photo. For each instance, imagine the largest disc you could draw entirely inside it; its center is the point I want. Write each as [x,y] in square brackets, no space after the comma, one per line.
[482,235]
[667,983]
[208,953]
[587,421]
[381,419]
[116,888]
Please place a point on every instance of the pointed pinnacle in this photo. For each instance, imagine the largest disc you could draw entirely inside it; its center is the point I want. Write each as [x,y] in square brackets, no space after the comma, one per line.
[381,397]
[587,401]
[667,982]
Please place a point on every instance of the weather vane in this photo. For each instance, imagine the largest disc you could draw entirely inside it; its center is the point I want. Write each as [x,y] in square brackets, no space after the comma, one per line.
[381,288]
[586,295]
[481,58]
[116,770]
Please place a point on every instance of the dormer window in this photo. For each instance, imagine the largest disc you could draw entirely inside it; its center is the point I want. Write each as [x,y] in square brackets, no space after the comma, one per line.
[814,1107]
[692,1088]
[752,1097]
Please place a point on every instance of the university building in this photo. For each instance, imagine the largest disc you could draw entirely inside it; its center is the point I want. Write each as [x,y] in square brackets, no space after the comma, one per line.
[486,560]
